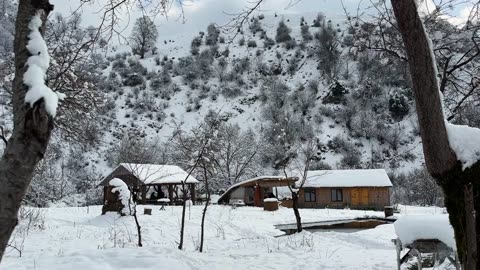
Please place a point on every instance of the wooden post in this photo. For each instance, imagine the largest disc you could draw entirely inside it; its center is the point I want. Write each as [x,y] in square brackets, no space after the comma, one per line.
[192,193]
[105,188]
[170,193]
[144,194]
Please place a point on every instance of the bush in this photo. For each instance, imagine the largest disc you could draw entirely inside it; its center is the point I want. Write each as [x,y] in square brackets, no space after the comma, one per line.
[319,20]
[241,42]
[251,44]
[306,35]
[134,80]
[283,32]
[212,35]
[268,42]
[351,160]
[255,26]
[398,105]
[290,44]
[336,94]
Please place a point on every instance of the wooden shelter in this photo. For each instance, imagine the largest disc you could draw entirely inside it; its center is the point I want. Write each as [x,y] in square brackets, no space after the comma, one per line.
[357,189]
[253,191]
[152,181]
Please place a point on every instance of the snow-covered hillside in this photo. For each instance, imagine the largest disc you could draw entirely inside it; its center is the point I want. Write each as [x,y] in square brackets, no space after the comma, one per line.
[155,109]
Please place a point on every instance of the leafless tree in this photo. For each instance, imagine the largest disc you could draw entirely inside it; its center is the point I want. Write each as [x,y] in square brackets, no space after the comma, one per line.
[308,152]
[143,37]
[461,187]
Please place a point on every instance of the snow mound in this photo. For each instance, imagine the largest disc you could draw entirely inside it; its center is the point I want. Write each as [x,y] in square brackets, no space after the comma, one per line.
[270,200]
[411,228]
[38,64]
[465,142]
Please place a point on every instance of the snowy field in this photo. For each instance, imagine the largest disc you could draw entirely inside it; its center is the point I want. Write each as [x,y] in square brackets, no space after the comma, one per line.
[241,238]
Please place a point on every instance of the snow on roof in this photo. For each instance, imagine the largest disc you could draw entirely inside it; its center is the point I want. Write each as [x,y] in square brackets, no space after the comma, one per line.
[348,178]
[465,142]
[159,174]
[411,228]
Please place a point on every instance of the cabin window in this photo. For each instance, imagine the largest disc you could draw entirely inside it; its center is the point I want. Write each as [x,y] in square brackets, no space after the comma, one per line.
[310,195]
[337,195]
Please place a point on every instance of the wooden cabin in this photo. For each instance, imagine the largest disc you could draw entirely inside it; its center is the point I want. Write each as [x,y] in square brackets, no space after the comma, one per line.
[356,189]
[253,191]
[153,182]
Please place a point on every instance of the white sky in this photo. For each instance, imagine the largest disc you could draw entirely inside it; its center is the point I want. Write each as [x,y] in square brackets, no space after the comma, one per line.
[199,13]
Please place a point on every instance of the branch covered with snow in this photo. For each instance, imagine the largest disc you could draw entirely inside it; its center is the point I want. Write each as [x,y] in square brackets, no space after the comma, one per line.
[465,142]
[38,64]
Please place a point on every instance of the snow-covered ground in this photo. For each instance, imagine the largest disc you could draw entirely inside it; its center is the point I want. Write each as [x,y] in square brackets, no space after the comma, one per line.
[241,238]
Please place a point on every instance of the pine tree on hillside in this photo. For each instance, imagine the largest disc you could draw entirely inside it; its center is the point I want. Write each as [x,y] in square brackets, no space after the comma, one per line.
[283,32]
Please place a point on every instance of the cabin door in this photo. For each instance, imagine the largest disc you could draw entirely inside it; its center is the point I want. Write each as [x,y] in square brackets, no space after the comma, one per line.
[359,196]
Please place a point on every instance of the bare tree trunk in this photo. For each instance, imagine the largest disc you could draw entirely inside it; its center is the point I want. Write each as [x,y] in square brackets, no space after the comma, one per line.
[204,209]
[296,212]
[32,128]
[461,187]
[184,208]
[134,198]
[139,228]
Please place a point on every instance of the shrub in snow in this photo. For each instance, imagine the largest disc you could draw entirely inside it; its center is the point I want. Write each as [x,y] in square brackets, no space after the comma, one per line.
[398,105]
[319,21]
[251,44]
[231,91]
[283,32]
[255,26]
[351,160]
[136,67]
[134,80]
[123,195]
[336,93]
[268,42]
[306,35]
[118,64]
[290,44]
[241,42]
[212,35]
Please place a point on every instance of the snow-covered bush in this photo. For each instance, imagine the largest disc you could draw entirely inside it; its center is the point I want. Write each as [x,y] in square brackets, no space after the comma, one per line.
[252,44]
[255,26]
[336,93]
[123,195]
[283,32]
[212,35]
[134,80]
[241,41]
[398,104]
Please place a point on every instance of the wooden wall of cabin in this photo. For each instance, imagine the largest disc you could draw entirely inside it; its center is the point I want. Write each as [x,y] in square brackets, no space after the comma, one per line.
[363,198]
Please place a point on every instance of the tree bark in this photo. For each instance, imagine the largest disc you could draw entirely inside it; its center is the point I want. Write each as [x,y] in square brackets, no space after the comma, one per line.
[184,208]
[461,187]
[31,132]
[204,214]
[296,212]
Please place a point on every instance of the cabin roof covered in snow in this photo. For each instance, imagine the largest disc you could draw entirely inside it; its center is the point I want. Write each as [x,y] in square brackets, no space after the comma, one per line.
[150,174]
[159,174]
[348,178]
[425,227]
